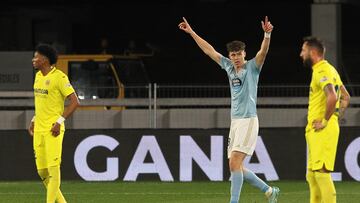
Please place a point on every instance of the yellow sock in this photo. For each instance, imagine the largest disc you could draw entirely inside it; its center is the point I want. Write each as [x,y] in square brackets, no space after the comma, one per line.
[60,197]
[315,194]
[327,188]
[44,175]
[54,186]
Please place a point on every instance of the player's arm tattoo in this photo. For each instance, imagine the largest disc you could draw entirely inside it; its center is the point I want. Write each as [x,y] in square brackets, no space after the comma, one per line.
[331,99]
[344,100]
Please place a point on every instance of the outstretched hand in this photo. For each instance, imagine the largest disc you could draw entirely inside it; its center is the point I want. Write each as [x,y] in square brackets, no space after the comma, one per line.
[266,25]
[185,26]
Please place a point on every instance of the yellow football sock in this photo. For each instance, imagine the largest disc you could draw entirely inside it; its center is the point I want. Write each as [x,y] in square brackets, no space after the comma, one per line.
[60,197]
[44,175]
[53,186]
[315,193]
[327,188]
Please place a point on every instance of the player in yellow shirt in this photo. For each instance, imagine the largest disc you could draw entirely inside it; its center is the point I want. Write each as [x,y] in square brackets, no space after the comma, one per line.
[328,100]
[51,88]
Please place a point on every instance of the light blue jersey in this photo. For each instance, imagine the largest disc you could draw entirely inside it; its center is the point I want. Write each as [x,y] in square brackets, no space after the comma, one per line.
[243,87]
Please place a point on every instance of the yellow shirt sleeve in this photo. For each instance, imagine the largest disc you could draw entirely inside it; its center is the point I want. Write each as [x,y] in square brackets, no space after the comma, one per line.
[324,77]
[65,86]
[340,82]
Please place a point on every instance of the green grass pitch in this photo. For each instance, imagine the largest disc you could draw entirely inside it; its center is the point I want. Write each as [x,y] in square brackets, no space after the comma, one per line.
[166,192]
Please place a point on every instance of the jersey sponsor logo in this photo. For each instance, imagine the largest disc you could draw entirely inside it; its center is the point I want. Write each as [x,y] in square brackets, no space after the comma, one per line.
[41,91]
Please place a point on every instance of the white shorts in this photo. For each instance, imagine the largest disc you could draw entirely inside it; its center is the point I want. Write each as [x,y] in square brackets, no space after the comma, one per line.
[243,135]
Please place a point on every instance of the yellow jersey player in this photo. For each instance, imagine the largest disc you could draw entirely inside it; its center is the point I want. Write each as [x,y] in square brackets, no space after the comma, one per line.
[327,100]
[51,88]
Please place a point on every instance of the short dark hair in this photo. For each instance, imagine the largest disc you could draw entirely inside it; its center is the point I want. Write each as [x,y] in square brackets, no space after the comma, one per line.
[315,43]
[235,46]
[48,51]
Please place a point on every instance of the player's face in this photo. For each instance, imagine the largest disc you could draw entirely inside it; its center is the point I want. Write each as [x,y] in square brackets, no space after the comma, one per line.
[237,57]
[38,61]
[305,56]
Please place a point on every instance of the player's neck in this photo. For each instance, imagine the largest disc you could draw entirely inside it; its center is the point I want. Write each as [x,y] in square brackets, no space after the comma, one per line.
[316,61]
[240,67]
[46,69]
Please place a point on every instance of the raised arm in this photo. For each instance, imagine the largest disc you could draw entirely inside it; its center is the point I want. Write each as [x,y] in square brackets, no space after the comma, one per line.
[261,54]
[204,45]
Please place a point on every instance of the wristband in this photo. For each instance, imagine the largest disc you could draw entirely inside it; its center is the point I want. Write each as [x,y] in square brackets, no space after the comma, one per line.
[33,119]
[60,120]
[324,122]
[267,34]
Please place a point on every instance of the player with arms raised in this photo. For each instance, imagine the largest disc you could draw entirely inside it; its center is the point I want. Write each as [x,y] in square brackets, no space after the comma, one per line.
[243,78]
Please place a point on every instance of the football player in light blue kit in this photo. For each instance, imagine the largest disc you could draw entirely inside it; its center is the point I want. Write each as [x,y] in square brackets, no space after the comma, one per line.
[243,78]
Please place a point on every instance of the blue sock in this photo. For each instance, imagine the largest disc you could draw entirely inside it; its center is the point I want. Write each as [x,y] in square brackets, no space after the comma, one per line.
[236,184]
[255,181]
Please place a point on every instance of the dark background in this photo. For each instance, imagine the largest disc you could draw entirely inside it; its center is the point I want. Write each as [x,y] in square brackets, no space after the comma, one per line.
[173,57]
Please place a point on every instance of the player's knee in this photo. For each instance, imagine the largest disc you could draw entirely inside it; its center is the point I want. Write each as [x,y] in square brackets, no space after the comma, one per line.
[236,161]
[43,173]
[54,172]
[310,176]
[235,165]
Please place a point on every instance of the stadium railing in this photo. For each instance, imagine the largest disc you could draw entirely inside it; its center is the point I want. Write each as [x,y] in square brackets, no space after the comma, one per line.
[182,95]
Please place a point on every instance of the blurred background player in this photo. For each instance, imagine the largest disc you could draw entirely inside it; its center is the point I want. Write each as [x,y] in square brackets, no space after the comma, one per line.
[327,100]
[243,78]
[51,88]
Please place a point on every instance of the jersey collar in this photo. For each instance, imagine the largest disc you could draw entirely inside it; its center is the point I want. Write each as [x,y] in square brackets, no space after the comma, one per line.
[318,64]
[53,68]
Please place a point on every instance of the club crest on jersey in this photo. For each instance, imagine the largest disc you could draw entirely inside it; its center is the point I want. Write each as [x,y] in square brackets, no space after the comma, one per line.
[236,82]
[47,82]
[324,79]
